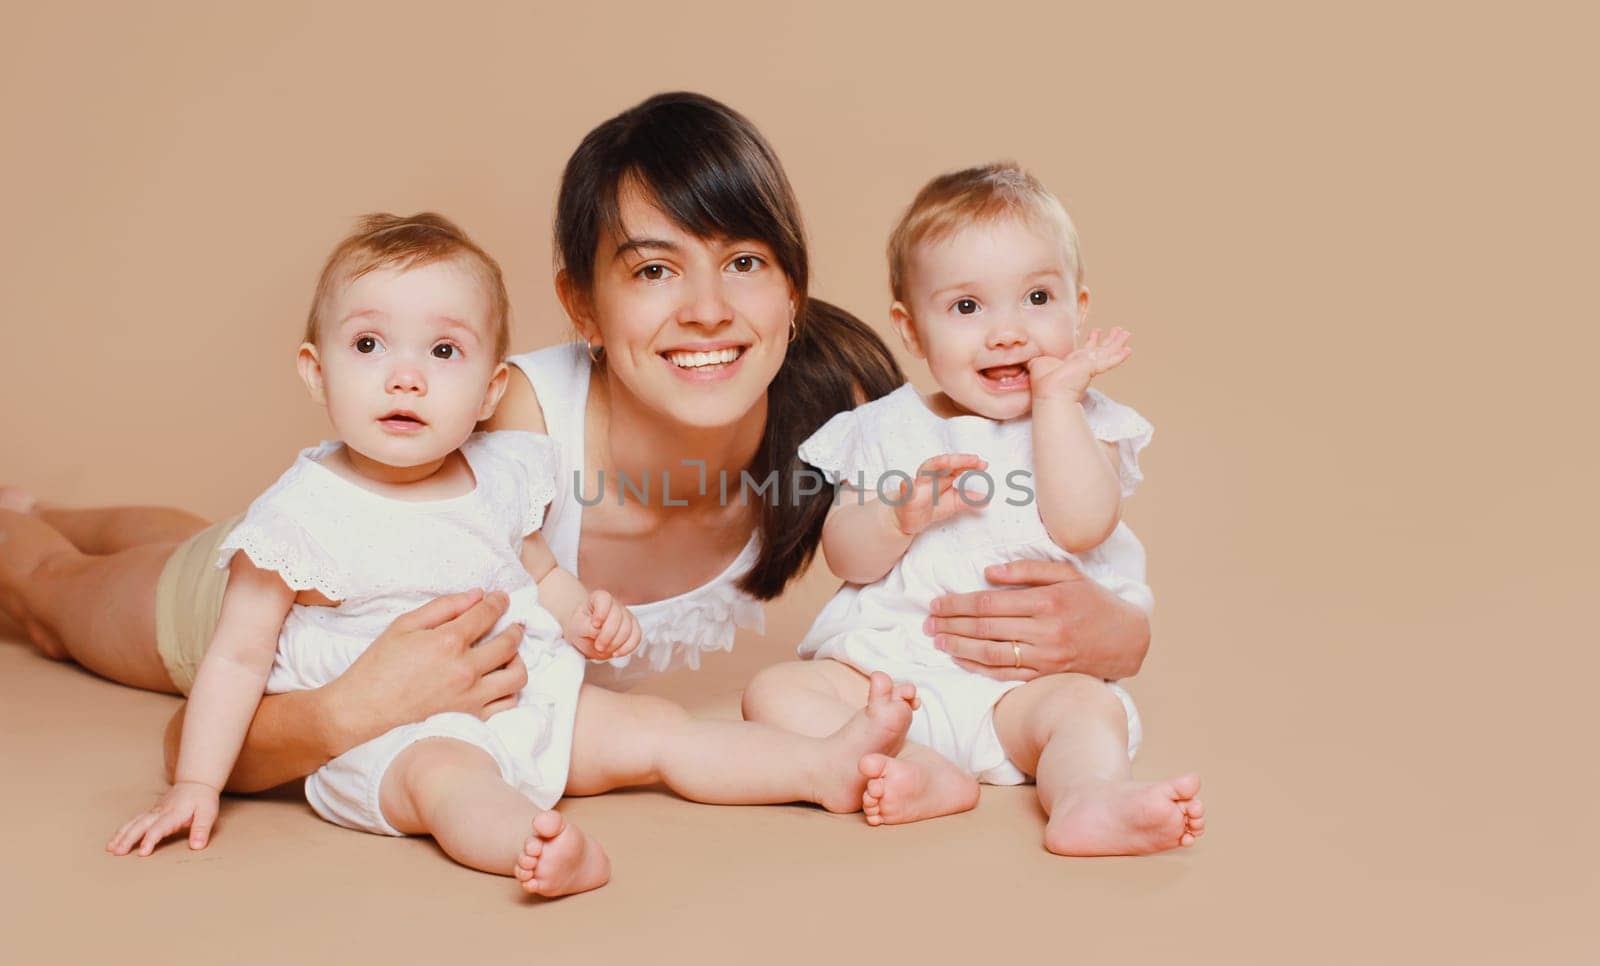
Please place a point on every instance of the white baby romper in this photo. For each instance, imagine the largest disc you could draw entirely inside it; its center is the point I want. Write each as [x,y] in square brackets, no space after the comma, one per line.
[878,626]
[381,557]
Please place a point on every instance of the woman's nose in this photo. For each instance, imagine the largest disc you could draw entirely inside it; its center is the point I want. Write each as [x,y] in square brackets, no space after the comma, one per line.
[707,304]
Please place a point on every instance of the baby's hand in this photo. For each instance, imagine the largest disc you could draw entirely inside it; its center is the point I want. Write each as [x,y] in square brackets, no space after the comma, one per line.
[924,502]
[1052,378]
[602,628]
[190,805]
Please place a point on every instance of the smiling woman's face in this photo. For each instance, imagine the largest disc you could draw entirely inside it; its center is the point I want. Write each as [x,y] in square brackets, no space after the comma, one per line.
[695,328]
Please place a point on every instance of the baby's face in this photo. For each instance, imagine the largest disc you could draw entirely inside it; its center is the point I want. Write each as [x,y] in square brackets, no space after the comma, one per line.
[984,301]
[406,359]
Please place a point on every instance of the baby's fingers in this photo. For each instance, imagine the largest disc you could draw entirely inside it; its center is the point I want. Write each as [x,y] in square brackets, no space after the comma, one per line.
[635,635]
[947,463]
[205,816]
[166,823]
[128,835]
[610,632]
[599,607]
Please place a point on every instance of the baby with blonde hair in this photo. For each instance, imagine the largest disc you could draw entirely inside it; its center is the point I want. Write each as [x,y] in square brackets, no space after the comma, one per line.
[1013,458]
[405,347]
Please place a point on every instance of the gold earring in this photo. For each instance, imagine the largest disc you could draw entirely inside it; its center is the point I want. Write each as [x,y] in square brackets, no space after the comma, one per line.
[595,351]
[794,330]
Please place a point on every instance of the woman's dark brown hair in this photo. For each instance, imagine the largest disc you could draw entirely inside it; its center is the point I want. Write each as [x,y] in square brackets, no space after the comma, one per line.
[712,173]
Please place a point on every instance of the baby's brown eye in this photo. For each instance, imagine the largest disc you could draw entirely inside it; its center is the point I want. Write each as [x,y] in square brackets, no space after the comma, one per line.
[1038,296]
[444,350]
[366,344]
[966,306]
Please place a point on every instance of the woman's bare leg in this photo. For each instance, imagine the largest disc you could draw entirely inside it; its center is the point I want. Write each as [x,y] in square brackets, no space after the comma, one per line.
[96,610]
[113,529]
[108,529]
[622,740]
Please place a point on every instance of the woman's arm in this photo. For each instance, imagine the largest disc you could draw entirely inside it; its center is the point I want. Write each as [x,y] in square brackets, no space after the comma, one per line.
[424,664]
[1060,620]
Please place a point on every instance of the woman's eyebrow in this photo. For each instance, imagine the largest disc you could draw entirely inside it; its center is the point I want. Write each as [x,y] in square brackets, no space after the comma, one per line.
[639,245]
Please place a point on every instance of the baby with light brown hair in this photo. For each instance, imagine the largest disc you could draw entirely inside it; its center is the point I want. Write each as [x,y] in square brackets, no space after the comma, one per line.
[405,348]
[1013,458]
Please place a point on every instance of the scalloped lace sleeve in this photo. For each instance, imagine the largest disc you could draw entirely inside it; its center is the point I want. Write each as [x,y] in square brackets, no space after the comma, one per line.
[841,450]
[536,459]
[273,540]
[1113,422]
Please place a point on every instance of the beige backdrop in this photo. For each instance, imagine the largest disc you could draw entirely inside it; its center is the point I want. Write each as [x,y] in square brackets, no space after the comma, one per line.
[1353,246]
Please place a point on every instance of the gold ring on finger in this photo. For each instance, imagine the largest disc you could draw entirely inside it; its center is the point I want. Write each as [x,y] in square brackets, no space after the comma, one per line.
[1016,653]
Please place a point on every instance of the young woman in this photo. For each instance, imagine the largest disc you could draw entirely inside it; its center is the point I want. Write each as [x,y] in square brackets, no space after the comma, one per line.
[683,266]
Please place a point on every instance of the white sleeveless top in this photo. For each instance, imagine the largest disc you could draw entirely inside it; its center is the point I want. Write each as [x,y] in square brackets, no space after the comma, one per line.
[676,630]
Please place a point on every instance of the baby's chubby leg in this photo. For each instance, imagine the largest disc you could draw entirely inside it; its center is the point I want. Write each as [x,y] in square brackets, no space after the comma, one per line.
[454,792]
[811,697]
[635,739]
[1071,732]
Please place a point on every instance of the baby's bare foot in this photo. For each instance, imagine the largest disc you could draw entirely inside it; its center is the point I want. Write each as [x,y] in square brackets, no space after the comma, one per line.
[559,859]
[1127,818]
[878,728]
[901,790]
[16,499]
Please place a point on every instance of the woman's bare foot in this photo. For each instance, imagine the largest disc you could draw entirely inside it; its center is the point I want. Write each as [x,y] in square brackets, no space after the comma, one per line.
[16,499]
[560,859]
[913,788]
[1127,818]
[878,728]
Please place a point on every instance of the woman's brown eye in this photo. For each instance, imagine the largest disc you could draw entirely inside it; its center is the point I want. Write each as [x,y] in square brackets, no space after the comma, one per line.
[651,272]
[744,263]
[1039,297]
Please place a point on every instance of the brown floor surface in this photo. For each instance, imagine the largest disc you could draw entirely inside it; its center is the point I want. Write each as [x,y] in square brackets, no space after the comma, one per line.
[1329,841]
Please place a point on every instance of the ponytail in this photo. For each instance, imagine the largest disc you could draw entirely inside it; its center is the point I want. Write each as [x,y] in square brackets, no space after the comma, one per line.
[835,363]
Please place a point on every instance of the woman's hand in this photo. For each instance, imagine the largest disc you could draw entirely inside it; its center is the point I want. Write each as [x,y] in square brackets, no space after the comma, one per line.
[426,664]
[186,805]
[1055,620]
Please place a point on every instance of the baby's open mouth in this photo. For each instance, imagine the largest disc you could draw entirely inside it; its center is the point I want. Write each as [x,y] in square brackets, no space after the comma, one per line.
[1006,377]
[402,420]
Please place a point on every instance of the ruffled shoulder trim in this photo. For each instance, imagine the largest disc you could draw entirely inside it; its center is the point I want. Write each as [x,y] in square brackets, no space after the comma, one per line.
[848,446]
[532,461]
[1113,422]
[677,631]
[274,535]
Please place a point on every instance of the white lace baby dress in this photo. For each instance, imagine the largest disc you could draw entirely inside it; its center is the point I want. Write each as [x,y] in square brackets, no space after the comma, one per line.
[879,626]
[380,557]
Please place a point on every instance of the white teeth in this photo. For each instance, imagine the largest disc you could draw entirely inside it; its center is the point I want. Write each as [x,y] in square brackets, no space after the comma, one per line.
[694,360]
